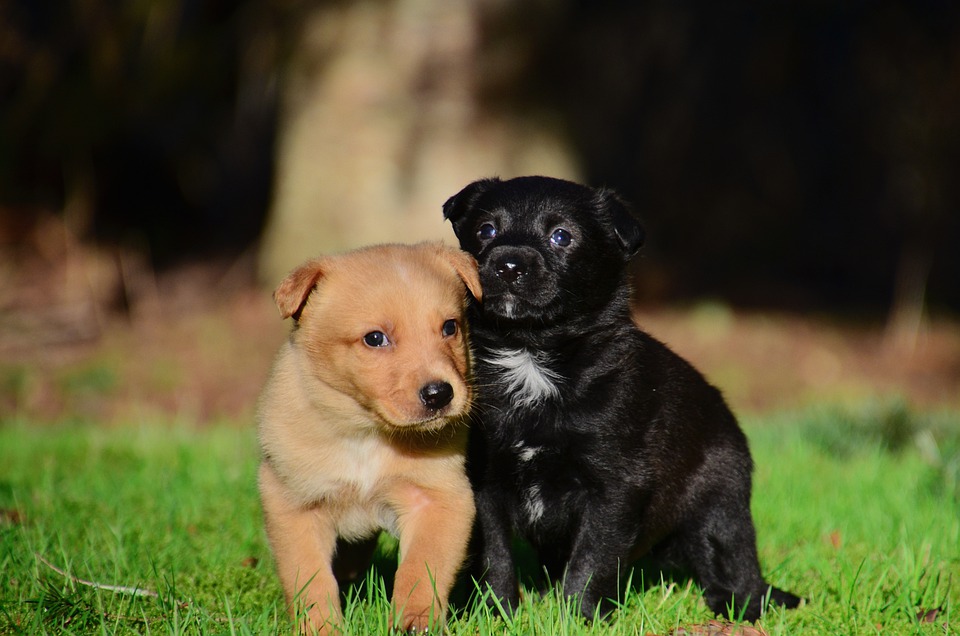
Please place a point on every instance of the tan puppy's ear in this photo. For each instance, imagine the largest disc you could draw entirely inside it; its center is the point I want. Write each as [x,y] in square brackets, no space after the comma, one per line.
[293,292]
[465,266]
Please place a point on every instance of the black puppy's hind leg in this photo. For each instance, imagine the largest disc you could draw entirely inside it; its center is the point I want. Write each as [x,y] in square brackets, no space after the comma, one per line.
[351,560]
[722,553]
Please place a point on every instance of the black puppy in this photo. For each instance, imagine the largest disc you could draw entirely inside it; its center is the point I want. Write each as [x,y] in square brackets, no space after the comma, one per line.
[593,440]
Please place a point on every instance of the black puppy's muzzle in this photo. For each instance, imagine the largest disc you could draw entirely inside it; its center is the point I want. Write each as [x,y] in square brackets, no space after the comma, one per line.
[510,270]
[514,266]
[517,284]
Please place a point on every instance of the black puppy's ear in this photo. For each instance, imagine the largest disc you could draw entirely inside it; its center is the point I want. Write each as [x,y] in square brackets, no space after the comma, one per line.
[627,227]
[459,204]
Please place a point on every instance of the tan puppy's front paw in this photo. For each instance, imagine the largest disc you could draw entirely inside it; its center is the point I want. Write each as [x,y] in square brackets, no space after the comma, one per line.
[320,626]
[418,623]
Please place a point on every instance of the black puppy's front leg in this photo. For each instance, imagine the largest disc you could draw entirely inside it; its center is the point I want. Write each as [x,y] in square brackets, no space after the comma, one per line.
[600,553]
[498,569]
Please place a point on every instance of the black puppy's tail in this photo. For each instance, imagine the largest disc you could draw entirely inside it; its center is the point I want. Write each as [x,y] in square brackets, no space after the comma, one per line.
[784,598]
[750,608]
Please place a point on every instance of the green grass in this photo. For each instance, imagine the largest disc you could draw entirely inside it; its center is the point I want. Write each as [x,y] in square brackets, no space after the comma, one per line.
[856,510]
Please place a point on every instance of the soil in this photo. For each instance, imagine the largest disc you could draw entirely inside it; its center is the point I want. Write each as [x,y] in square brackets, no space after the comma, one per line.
[93,335]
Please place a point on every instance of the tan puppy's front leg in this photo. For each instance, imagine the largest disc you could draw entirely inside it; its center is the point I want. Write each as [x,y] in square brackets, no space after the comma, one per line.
[434,532]
[303,542]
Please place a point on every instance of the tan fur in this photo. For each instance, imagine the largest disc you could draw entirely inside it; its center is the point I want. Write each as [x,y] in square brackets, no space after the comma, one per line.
[349,448]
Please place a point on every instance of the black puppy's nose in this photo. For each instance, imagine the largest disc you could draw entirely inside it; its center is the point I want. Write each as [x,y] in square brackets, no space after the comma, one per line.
[436,395]
[509,270]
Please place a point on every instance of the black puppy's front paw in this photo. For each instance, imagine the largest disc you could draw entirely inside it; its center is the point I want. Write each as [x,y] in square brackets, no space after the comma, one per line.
[504,604]
[592,606]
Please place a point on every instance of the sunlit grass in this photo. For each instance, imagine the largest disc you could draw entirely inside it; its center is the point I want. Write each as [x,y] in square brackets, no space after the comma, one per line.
[854,511]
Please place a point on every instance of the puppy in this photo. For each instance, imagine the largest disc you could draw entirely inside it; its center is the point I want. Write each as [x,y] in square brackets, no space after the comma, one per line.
[362,428]
[591,439]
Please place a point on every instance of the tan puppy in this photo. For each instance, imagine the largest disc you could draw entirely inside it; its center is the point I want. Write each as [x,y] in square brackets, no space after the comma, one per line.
[363,427]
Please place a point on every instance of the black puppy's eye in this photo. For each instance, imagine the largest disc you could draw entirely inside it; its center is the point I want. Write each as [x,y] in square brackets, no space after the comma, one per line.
[487,231]
[561,237]
[449,328]
[376,339]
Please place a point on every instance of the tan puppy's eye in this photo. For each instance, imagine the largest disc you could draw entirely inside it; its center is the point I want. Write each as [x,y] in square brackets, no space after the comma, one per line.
[449,328]
[376,339]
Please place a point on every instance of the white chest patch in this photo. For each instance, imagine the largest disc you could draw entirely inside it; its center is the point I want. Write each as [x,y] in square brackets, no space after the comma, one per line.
[526,453]
[533,504]
[525,375]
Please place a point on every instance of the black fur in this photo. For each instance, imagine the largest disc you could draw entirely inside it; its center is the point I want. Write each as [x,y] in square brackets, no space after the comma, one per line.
[593,440]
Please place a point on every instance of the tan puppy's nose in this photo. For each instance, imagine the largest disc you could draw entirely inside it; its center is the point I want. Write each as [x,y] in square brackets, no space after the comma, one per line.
[436,395]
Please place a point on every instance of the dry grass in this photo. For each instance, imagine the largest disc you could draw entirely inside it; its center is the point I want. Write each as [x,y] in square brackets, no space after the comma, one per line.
[95,334]
[208,362]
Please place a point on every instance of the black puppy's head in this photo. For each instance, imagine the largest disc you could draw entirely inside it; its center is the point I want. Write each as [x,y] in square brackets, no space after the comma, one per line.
[547,249]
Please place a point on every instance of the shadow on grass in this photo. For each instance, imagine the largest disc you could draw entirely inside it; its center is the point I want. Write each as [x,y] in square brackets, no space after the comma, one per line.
[637,578]
[892,427]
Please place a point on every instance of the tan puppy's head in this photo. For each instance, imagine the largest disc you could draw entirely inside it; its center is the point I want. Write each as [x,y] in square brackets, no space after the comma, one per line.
[384,325]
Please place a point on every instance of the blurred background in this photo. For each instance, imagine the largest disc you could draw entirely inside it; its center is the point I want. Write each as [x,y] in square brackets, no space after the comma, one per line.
[163,163]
